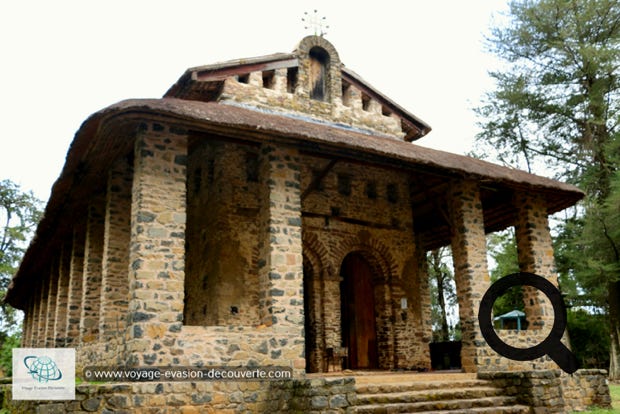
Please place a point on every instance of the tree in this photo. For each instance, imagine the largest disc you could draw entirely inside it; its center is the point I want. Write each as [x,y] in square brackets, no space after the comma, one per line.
[596,257]
[589,336]
[19,214]
[556,109]
[443,294]
[502,248]
[6,354]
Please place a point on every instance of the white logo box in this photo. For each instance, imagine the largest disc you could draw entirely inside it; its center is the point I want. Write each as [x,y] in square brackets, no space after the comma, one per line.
[43,374]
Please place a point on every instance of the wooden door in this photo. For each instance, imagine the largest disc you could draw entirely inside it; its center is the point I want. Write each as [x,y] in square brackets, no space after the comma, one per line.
[359,332]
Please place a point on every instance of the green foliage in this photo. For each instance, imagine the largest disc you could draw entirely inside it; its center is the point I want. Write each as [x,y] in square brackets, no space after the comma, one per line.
[443,295]
[557,103]
[502,248]
[19,213]
[6,353]
[589,337]
[587,249]
[556,109]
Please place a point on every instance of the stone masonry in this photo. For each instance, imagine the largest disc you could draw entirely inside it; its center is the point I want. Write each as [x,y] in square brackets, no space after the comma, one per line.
[535,256]
[237,220]
[470,267]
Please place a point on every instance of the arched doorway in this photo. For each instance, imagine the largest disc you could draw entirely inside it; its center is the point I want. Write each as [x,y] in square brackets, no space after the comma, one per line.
[359,332]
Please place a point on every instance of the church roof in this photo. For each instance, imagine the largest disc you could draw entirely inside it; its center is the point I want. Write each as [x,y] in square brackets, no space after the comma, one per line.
[316,124]
[104,137]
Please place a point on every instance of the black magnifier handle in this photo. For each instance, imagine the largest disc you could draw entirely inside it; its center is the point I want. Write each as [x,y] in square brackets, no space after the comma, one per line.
[563,356]
[551,346]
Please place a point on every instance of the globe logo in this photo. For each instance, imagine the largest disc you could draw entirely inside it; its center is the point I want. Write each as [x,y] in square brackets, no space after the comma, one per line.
[43,368]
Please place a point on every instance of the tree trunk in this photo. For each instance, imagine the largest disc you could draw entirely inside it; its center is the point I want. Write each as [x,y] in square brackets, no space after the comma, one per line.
[445,333]
[440,278]
[614,330]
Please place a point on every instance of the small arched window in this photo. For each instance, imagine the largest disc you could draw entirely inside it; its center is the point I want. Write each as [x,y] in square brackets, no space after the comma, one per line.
[319,63]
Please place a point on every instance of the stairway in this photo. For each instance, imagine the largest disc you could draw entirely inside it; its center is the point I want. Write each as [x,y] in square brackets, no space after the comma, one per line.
[430,393]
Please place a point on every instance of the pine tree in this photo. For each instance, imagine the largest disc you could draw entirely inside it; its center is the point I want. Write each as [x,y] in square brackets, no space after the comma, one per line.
[556,109]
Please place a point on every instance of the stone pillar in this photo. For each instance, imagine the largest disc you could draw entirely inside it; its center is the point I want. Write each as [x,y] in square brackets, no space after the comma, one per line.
[74,295]
[157,255]
[535,252]
[91,281]
[43,316]
[34,320]
[332,318]
[280,80]
[256,79]
[424,332]
[470,266]
[27,323]
[280,247]
[115,266]
[62,298]
[50,317]
[36,309]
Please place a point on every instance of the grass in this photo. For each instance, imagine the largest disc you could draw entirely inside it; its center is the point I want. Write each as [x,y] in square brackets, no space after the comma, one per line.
[614,390]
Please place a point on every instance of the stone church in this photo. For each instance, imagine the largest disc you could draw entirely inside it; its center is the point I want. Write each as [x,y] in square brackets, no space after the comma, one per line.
[271,211]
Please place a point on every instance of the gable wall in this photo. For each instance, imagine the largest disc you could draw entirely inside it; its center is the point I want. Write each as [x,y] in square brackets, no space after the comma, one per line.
[355,208]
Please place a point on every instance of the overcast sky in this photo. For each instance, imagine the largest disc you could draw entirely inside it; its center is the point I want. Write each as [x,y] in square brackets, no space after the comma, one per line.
[63,60]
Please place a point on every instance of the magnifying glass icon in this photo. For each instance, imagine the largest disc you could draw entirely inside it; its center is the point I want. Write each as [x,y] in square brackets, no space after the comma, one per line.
[552,344]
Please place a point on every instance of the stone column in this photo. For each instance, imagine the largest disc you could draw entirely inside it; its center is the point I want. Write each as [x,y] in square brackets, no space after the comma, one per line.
[115,266]
[38,327]
[280,248]
[74,295]
[27,323]
[280,80]
[36,306]
[62,298]
[535,252]
[50,317]
[470,266]
[331,303]
[43,316]
[91,281]
[157,255]
[424,333]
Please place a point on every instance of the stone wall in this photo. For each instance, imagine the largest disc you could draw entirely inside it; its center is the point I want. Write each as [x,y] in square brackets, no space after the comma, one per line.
[90,301]
[218,240]
[547,391]
[289,90]
[62,299]
[115,262]
[492,361]
[552,391]
[76,276]
[351,208]
[222,235]
[157,245]
[470,268]
[356,208]
[316,396]
[535,251]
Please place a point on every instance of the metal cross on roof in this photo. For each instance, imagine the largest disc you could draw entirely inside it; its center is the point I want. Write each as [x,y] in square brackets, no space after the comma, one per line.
[315,23]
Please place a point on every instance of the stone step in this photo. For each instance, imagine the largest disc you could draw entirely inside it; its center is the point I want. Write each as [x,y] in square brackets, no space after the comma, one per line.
[401,386]
[513,409]
[383,377]
[497,404]
[429,395]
